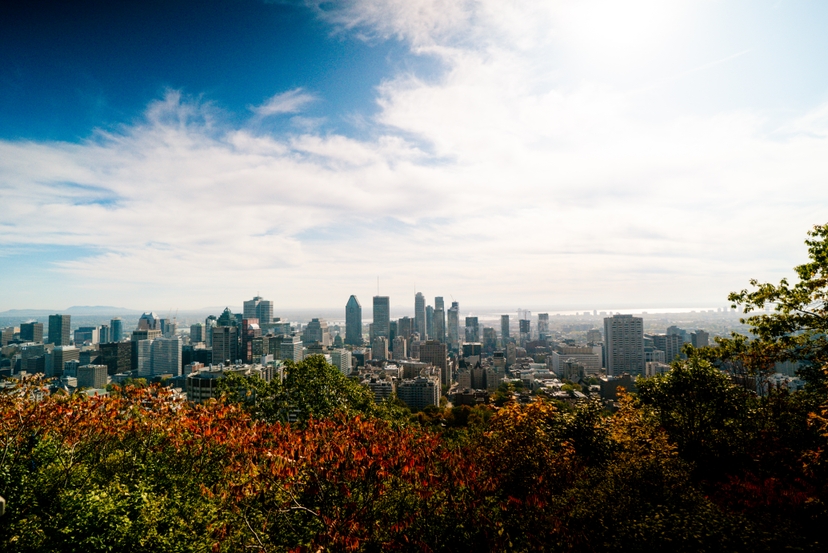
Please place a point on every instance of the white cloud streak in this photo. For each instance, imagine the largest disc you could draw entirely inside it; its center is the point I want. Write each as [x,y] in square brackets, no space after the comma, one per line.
[502,182]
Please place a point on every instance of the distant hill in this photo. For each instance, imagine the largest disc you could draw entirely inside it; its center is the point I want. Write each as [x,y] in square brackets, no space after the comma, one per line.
[74,310]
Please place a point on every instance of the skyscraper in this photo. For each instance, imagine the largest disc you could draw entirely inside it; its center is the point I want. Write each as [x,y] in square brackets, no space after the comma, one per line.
[59,329]
[429,322]
[419,315]
[166,356]
[117,329]
[543,325]
[104,334]
[472,329]
[624,339]
[439,319]
[353,322]
[382,317]
[258,308]
[225,344]
[31,332]
[505,333]
[436,353]
[454,326]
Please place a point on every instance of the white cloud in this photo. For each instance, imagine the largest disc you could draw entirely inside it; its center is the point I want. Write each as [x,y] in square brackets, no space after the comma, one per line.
[291,101]
[528,173]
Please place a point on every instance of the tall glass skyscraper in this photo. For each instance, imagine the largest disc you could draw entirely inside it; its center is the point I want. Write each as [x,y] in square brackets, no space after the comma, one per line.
[353,322]
[382,316]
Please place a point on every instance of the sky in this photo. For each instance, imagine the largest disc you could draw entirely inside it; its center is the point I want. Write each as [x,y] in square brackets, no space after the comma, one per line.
[565,154]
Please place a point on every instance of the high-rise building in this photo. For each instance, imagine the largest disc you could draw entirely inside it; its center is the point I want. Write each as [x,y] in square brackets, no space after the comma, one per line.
[341,359]
[258,308]
[197,332]
[353,322]
[400,348]
[453,326]
[117,326]
[166,356]
[543,326]
[149,321]
[432,351]
[429,322]
[379,348]
[6,336]
[624,338]
[505,332]
[225,345]
[92,376]
[405,327]
[440,325]
[317,331]
[117,356]
[31,332]
[670,344]
[104,334]
[86,334]
[472,329]
[489,340]
[250,332]
[419,314]
[419,392]
[699,339]
[440,319]
[59,330]
[60,356]
[209,324]
[382,317]
[291,348]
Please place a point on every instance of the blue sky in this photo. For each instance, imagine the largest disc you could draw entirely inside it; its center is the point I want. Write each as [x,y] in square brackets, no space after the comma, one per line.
[588,154]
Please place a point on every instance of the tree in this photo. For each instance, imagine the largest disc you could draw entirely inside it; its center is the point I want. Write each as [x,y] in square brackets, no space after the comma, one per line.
[797,328]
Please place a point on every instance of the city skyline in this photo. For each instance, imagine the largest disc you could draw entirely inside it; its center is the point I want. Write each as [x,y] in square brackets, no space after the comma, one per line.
[536,155]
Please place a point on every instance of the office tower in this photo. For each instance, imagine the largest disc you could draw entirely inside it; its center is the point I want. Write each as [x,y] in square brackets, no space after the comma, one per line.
[676,331]
[543,326]
[92,376]
[209,324]
[104,334]
[453,326]
[225,345]
[317,331]
[31,332]
[258,308]
[341,359]
[228,318]
[142,358]
[670,344]
[197,332]
[624,338]
[250,331]
[489,339]
[166,356]
[436,353]
[353,322]
[117,329]
[86,334]
[379,348]
[439,303]
[505,332]
[429,322]
[525,329]
[440,325]
[382,317]
[699,339]
[117,356]
[291,348]
[6,336]
[405,328]
[472,329]
[419,392]
[59,330]
[149,321]
[400,348]
[419,314]
[594,336]
[60,356]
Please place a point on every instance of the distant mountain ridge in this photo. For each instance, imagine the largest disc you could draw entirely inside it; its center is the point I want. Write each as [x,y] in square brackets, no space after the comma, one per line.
[74,310]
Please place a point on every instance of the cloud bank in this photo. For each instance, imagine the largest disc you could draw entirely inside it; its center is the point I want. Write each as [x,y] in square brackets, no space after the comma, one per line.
[531,171]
